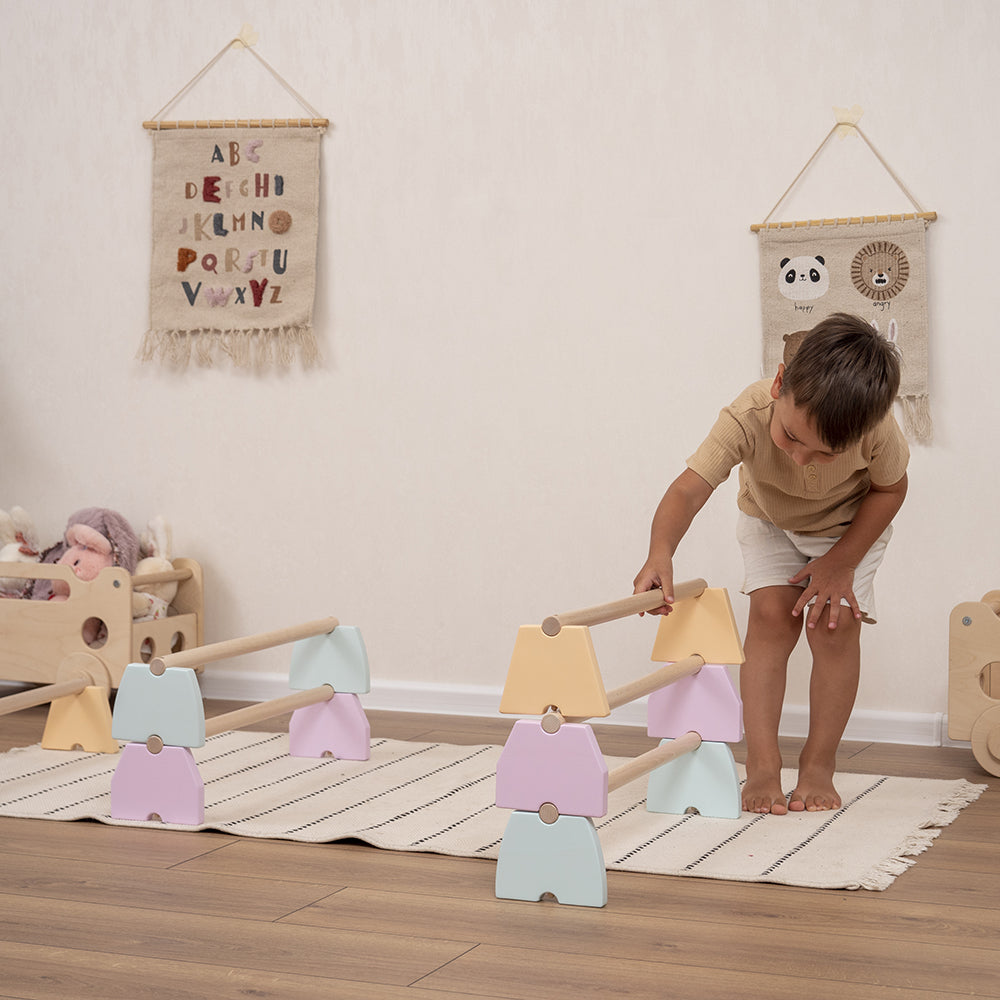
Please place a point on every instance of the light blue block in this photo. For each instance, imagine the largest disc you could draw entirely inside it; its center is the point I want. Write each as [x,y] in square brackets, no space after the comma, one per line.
[168,706]
[338,658]
[564,858]
[705,779]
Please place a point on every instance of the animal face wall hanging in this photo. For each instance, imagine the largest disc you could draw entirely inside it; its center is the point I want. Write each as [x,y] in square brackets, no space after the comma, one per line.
[873,269]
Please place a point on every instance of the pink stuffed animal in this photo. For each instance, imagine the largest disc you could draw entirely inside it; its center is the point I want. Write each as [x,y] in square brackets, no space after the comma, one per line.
[95,539]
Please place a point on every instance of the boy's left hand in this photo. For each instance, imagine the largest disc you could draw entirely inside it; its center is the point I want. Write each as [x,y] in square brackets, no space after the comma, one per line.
[829,582]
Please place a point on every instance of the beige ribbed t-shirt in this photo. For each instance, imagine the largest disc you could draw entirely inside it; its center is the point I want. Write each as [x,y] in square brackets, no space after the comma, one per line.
[819,499]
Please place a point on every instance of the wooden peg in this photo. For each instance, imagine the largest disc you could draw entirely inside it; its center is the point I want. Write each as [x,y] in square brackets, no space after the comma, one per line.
[600,613]
[652,759]
[238,647]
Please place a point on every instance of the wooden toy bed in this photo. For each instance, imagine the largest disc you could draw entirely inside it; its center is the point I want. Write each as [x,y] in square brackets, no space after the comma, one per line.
[38,639]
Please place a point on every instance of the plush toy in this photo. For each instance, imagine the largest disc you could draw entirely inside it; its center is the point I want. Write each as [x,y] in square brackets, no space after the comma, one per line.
[152,600]
[18,543]
[95,538]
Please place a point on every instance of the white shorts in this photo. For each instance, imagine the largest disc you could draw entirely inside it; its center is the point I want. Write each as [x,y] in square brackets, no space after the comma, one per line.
[771,556]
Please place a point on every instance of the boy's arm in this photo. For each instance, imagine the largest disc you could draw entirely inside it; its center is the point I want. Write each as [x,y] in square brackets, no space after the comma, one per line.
[685,496]
[831,577]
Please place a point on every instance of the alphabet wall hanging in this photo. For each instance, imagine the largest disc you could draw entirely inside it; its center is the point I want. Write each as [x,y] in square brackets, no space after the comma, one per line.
[235,230]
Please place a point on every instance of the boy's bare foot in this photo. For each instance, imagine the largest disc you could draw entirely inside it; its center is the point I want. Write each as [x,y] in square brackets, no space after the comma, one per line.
[764,796]
[814,792]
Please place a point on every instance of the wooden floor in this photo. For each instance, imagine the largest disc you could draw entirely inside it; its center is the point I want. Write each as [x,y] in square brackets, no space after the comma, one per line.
[95,911]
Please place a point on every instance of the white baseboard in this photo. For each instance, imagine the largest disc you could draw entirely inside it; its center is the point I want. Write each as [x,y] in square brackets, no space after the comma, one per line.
[481,701]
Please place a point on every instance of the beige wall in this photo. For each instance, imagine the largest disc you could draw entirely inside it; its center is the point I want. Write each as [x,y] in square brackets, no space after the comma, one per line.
[537,287]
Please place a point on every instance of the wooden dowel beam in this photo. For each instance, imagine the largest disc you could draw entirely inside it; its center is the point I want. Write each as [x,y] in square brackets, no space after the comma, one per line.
[667,674]
[650,600]
[40,696]
[237,647]
[652,759]
[243,717]
[162,576]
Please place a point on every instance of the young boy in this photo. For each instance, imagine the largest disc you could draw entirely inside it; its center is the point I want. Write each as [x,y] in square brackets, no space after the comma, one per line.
[822,474]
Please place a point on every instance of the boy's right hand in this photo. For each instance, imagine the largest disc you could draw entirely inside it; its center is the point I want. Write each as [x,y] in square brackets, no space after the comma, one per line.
[656,573]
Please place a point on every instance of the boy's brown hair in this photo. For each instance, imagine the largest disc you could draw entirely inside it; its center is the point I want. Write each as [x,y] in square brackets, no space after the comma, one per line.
[846,376]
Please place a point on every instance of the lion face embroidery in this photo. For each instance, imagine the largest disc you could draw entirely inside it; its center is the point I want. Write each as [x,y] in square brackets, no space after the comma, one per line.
[880,270]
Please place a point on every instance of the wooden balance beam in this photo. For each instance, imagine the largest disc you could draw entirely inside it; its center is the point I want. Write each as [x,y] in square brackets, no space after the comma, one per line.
[612,610]
[237,647]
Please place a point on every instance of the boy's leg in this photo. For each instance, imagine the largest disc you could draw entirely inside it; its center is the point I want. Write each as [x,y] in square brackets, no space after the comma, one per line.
[772,633]
[833,687]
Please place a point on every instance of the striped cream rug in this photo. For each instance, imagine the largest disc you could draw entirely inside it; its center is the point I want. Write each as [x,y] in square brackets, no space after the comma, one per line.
[439,798]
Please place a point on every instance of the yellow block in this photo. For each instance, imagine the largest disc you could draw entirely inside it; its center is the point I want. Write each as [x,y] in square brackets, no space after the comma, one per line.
[704,625]
[80,720]
[558,670]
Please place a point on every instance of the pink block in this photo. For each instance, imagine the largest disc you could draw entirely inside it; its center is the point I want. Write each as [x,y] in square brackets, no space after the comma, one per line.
[565,768]
[338,727]
[705,703]
[167,783]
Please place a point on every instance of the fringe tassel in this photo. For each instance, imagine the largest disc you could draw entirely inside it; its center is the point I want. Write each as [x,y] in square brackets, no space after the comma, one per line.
[882,875]
[917,423]
[259,349]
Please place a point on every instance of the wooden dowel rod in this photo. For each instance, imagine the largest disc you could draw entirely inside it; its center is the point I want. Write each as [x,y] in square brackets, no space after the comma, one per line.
[39,696]
[600,613]
[237,647]
[162,576]
[267,710]
[667,674]
[156,126]
[851,220]
[652,759]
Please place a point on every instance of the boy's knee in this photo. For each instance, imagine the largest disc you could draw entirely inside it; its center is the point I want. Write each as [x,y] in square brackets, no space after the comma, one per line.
[845,636]
[771,614]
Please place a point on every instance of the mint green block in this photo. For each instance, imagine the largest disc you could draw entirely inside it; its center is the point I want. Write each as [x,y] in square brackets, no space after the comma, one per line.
[338,658]
[705,779]
[168,706]
[564,858]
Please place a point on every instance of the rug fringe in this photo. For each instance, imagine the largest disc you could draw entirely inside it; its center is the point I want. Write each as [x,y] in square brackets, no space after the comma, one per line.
[946,812]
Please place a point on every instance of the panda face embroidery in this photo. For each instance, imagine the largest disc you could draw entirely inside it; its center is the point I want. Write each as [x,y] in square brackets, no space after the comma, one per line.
[880,270]
[803,278]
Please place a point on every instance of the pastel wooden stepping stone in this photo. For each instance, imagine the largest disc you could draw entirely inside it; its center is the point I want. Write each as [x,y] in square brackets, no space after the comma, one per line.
[80,720]
[165,784]
[704,625]
[565,768]
[168,705]
[337,658]
[338,727]
[564,858]
[705,780]
[705,702]
[558,670]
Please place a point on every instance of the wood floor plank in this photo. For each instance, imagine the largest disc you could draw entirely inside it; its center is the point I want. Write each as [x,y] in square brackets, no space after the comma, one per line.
[175,889]
[879,954]
[266,947]
[353,864]
[99,842]
[40,972]
[547,975]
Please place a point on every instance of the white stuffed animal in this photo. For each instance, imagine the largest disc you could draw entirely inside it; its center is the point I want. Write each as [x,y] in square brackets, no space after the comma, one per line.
[153,600]
[18,543]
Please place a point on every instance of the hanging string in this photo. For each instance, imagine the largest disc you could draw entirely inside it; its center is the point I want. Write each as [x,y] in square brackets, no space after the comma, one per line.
[857,128]
[316,120]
